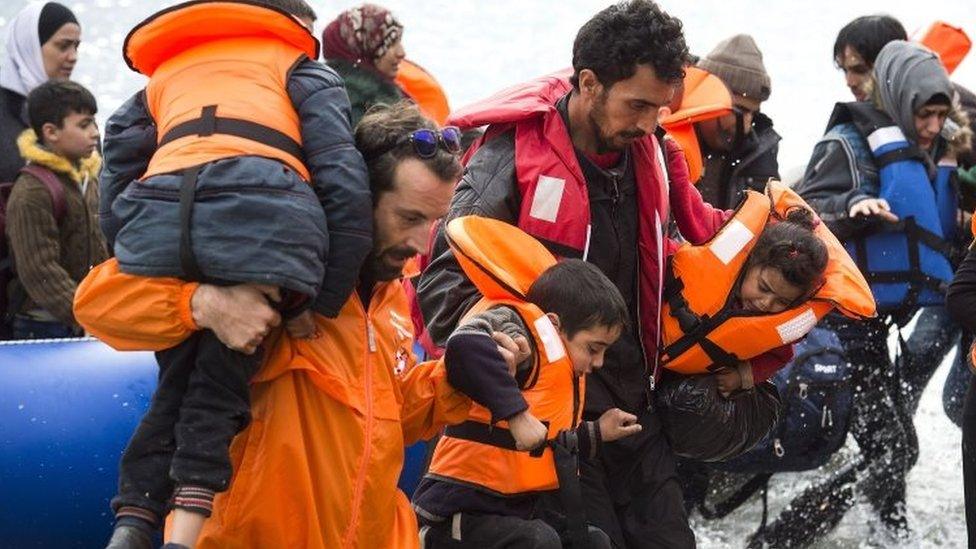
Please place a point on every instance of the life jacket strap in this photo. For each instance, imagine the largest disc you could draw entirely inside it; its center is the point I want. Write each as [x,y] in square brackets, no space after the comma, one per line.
[916,279]
[188,260]
[911,152]
[209,124]
[482,433]
[680,310]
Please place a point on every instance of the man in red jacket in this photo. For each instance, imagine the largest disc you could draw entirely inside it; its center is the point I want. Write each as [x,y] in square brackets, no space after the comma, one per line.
[575,162]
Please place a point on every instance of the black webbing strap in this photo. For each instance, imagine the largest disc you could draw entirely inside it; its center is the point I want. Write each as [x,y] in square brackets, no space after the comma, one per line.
[740,496]
[482,433]
[912,152]
[209,124]
[719,356]
[188,261]
[916,279]
[565,452]
[680,310]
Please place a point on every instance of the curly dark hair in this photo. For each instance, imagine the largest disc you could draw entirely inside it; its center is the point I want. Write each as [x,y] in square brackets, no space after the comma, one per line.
[792,247]
[631,33]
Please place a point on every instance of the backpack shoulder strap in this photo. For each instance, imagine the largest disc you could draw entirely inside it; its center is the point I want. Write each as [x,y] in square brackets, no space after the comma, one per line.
[54,187]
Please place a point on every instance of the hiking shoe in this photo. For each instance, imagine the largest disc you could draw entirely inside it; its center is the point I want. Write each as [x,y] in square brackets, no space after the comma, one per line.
[129,537]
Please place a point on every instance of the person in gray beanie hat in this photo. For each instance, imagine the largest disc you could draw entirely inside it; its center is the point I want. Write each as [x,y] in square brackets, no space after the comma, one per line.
[738,62]
[740,148]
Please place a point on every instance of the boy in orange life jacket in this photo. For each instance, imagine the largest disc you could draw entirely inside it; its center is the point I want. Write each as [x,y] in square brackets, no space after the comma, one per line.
[251,176]
[785,267]
[589,313]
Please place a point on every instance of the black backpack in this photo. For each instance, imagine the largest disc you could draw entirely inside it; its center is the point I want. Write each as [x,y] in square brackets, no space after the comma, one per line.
[8,304]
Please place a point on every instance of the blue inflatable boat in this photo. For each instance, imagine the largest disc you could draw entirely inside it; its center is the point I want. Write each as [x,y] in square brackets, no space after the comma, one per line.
[67,409]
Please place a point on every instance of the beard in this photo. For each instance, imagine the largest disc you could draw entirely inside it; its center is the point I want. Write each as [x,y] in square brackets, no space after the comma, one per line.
[387,264]
[609,142]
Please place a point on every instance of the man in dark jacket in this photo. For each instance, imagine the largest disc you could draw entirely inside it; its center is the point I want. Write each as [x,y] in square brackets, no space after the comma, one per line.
[739,149]
[575,165]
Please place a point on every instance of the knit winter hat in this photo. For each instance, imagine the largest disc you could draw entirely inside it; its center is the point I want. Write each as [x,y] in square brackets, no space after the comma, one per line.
[738,62]
[361,35]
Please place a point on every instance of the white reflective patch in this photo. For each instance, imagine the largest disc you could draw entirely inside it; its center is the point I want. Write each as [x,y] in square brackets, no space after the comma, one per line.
[548,196]
[948,162]
[549,336]
[883,136]
[797,327]
[730,242]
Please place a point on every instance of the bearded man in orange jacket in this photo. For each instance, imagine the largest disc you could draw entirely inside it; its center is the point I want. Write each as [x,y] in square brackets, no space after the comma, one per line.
[335,401]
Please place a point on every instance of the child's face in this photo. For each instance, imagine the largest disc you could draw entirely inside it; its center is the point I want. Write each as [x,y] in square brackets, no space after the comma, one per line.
[764,290]
[587,347]
[77,137]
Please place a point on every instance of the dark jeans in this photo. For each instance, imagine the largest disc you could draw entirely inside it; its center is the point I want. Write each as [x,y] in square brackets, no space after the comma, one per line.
[202,402]
[475,531]
[883,428]
[969,459]
[27,328]
[631,491]
[934,336]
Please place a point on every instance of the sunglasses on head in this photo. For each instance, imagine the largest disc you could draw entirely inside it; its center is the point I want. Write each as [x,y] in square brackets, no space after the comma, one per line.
[425,141]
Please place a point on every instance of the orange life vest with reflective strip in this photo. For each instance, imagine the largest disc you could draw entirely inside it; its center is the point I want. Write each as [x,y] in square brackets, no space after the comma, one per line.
[701,327]
[703,97]
[217,88]
[503,261]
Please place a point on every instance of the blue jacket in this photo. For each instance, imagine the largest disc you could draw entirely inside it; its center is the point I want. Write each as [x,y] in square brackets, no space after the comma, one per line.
[254,220]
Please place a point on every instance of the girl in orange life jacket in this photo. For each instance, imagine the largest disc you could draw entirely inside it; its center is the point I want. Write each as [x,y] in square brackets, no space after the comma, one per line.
[478,493]
[786,265]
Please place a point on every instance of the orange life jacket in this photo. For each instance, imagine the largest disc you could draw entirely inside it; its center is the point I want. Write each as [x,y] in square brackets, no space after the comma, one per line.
[704,97]
[950,43]
[701,327]
[503,261]
[424,89]
[217,88]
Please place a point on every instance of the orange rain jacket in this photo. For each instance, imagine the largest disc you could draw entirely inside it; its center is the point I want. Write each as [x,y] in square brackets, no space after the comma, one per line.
[318,465]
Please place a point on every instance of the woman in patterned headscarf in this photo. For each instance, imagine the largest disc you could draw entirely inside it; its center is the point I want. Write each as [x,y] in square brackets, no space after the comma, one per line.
[363,44]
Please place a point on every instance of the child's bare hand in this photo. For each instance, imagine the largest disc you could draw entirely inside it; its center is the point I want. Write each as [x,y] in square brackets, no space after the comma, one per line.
[616,424]
[302,326]
[513,350]
[729,381]
[529,433]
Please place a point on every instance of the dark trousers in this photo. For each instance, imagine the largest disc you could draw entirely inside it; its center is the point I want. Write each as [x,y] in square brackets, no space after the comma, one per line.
[969,459]
[881,423]
[631,491]
[934,336]
[201,403]
[475,531]
[22,327]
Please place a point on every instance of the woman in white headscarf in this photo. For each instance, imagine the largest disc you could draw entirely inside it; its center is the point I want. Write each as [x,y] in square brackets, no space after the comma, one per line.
[41,44]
